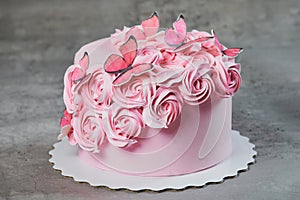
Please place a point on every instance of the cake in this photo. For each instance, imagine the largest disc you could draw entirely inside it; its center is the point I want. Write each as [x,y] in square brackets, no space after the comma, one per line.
[148,101]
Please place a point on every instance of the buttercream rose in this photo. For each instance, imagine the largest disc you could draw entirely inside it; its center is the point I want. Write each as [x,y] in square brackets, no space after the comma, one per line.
[122,125]
[227,79]
[173,60]
[234,80]
[211,47]
[198,48]
[194,34]
[170,67]
[69,89]
[203,57]
[196,86]
[72,79]
[148,54]
[97,91]
[88,130]
[134,93]
[163,108]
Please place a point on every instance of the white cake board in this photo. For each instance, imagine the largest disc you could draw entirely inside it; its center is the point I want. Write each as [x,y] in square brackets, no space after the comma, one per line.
[65,159]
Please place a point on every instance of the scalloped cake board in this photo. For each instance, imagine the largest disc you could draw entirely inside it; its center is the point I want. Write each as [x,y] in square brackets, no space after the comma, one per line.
[65,159]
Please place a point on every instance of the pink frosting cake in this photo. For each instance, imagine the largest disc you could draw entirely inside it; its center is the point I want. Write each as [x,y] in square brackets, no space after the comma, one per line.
[151,102]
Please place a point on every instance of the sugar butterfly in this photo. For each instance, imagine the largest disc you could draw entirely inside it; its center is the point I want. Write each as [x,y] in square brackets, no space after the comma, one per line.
[230,52]
[123,67]
[191,42]
[79,71]
[176,35]
[148,28]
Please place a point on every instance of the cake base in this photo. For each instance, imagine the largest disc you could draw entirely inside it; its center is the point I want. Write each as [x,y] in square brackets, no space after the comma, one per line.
[65,158]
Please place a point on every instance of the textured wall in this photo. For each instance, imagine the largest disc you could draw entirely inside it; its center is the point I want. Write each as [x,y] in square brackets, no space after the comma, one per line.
[39,38]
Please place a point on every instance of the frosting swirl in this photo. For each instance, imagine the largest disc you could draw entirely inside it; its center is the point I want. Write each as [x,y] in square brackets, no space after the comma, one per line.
[122,125]
[148,54]
[226,78]
[69,88]
[88,130]
[73,76]
[134,93]
[196,86]
[234,80]
[97,91]
[163,108]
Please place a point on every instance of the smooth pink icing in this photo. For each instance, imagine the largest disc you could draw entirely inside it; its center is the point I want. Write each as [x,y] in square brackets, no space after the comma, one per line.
[179,145]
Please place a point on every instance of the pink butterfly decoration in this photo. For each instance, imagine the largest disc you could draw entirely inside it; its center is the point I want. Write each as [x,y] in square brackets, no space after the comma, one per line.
[123,67]
[79,72]
[176,35]
[191,42]
[149,27]
[230,52]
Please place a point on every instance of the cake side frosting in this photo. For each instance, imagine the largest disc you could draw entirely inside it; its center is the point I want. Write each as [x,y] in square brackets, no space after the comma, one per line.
[182,145]
[130,95]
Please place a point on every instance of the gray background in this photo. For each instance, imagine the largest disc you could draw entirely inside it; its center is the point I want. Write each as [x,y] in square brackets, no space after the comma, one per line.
[39,38]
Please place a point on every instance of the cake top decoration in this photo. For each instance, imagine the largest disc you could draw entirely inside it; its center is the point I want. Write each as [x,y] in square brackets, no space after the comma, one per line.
[123,66]
[144,82]
[177,34]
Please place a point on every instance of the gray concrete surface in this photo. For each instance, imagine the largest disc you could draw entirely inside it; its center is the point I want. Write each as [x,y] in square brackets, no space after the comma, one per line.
[39,38]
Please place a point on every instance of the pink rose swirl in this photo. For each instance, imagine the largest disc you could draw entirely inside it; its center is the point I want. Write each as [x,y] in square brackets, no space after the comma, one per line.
[227,81]
[122,125]
[196,86]
[163,108]
[135,93]
[96,92]
[88,130]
